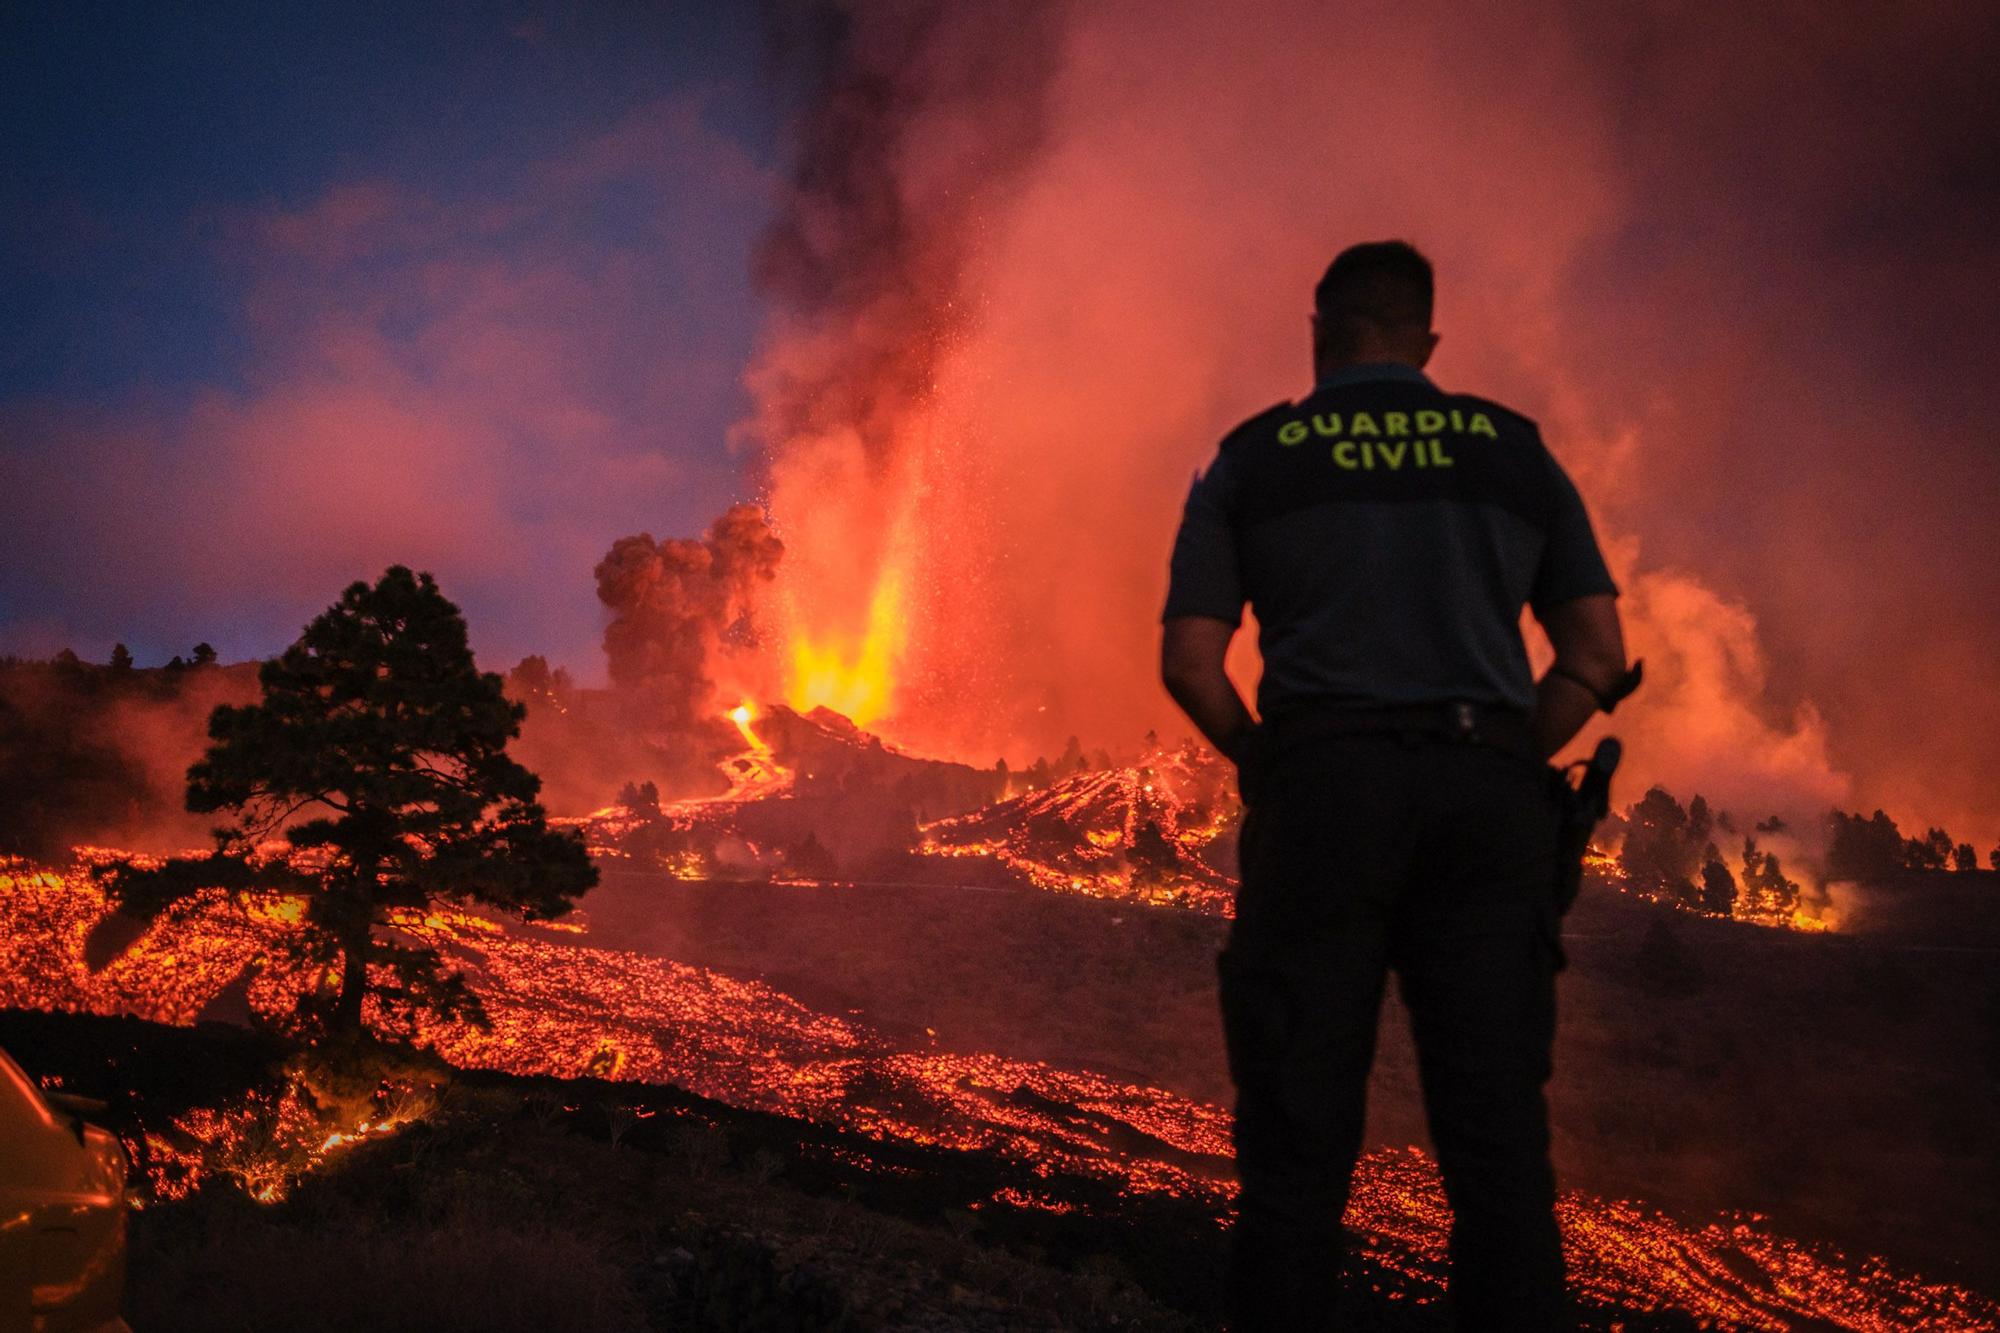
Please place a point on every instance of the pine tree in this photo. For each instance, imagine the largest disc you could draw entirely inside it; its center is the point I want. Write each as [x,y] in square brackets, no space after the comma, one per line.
[1860,848]
[379,750]
[1718,886]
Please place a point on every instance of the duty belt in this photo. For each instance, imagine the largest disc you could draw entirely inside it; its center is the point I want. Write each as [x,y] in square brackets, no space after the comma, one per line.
[1457,721]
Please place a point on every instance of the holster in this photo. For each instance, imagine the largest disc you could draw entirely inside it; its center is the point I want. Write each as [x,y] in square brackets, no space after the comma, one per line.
[1580,806]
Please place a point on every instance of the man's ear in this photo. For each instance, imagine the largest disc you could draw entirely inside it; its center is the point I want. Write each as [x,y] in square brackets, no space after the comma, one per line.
[1430,349]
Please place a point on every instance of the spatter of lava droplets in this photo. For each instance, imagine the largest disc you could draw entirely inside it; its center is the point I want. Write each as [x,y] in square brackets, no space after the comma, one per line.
[561,1007]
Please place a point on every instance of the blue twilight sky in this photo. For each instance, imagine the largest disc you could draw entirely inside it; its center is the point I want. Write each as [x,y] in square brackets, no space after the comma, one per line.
[234,235]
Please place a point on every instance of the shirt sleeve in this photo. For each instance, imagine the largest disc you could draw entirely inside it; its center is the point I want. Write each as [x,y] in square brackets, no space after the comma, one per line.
[1571,566]
[1204,579]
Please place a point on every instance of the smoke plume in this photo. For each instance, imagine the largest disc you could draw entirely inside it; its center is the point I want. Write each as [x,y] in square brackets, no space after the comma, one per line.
[914,126]
[901,158]
[1079,275]
[679,606]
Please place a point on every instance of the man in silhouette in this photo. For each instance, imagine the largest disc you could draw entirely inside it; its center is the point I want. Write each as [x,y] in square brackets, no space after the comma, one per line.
[1399,814]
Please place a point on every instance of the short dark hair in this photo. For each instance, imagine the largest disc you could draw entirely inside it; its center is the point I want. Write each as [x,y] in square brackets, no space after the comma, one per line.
[1384,283]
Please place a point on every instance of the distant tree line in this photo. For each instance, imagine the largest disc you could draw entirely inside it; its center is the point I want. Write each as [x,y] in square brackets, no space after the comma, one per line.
[1674,853]
[118,667]
[82,744]
[1871,847]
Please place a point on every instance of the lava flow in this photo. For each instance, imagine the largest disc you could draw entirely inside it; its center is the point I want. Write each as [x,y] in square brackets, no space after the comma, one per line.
[561,1006]
[1145,832]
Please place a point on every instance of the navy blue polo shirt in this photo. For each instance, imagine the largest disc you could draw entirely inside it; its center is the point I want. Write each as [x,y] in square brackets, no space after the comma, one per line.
[1386,534]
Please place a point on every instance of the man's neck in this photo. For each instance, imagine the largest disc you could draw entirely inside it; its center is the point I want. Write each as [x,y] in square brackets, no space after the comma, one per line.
[1370,358]
[1353,370]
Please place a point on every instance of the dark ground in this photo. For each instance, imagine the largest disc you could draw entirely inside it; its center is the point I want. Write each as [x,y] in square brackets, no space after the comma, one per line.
[1845,1085]
[534,1204]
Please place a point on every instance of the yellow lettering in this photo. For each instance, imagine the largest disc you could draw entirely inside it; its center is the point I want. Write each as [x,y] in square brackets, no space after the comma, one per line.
[1481,426]
[1396,423]
[1327,424]
[1364,424]
[1392,454]
[1439,458]
[1343,454]
[1429,423]
[1291,432]
[1367,454]
[1456,422]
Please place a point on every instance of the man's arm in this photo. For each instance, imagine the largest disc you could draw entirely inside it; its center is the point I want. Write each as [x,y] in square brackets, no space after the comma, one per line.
[1589,665]
[1192,650]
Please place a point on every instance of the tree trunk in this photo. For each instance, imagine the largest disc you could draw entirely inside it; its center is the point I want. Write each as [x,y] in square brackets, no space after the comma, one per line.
[353,983]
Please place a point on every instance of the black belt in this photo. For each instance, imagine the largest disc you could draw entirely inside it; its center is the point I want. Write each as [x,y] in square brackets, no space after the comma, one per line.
[1460,721]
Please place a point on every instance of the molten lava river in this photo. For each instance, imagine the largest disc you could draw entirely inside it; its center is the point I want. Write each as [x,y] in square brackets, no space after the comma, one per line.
[560,1006]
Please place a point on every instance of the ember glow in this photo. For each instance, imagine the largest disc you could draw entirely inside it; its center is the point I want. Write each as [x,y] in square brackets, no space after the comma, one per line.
[853,673]
[264,1144]
[1145,832]
[562,1006]
[743,715]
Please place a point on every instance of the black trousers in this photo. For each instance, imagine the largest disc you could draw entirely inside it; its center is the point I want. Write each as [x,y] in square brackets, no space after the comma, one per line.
[1435,858]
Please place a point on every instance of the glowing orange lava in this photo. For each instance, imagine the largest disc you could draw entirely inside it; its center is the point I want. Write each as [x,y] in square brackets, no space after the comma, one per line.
[743,715]
[561,1006]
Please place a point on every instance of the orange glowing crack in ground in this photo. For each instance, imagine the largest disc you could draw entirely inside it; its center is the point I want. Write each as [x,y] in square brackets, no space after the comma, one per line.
[562,1007]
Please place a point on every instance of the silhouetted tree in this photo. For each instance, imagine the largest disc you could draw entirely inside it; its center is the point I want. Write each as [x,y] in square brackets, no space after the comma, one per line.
[121,657]
[1964,858]
[1718,886]
[378,727]
[1765,889]
[641,798]
[1661,852]
[1701,823]
[1860,848]
[810,859]
[1917,854]
[204,655]
[1993,857]
[532,681]
[1939,845]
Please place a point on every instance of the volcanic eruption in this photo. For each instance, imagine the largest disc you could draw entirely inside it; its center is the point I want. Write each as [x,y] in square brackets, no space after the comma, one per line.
[899,837]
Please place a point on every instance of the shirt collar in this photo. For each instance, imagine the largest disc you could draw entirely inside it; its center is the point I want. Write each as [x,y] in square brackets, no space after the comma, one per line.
[1372,370]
